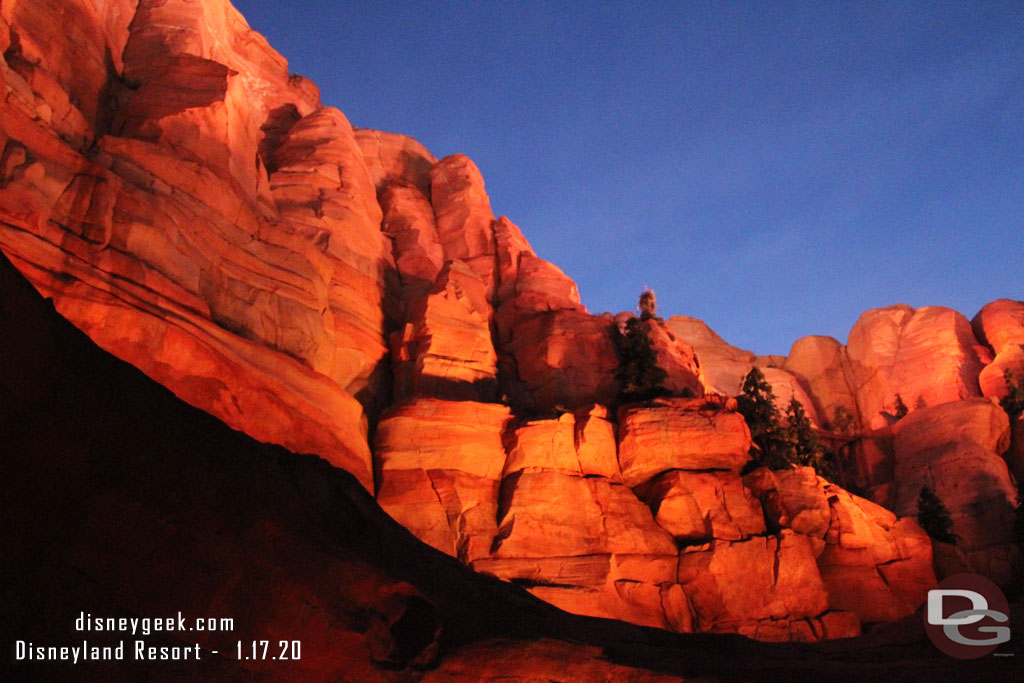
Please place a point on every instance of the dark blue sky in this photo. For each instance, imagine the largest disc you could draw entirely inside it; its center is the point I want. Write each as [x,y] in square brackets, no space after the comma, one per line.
[774,168]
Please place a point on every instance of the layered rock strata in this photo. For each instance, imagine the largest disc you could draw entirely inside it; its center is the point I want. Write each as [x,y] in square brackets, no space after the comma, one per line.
[195,209]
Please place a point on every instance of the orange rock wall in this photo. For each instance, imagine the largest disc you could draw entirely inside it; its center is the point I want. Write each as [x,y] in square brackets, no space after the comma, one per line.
[646,518]
[195,209]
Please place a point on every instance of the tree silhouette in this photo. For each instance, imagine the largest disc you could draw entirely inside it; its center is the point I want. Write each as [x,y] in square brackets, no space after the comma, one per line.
[648,305]
[640,378]
[934,518]
[901,409]
[842,421]
[806,449]
[756,403]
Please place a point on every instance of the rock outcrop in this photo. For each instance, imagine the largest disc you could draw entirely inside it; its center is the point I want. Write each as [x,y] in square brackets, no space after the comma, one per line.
[646,518]
[193,207]
[927,356]
[955,448]
[182,495]
[821,365]
[724,365]
[1000,325]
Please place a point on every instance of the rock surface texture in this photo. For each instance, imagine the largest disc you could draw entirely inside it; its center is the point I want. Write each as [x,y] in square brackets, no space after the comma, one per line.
[198,212]
[291,547]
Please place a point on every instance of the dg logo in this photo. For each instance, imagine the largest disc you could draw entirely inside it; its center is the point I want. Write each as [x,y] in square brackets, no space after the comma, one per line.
[964,614]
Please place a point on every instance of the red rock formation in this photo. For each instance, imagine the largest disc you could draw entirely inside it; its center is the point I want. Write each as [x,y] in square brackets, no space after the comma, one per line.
[464,217]
[687,434]
[439,464]
[324,191]
[162,245]
[928,356]
[724,365]
[191,206]
[698,507]
[409,222]
[822,367]
[954,448]
[445,349]
[677,359]
[151,490]
[395,159]
[872,564]
[1000,324]
[566,358]
[778,598]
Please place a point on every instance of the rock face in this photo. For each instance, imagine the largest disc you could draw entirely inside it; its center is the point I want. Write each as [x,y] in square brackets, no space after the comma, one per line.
[723,364]
[1000,324]
[954,448]
[646,518]
[445,349]
[249,522]
[687,434]
[155,228]
[927,356]
[439,467]
[195,209]
[822,366]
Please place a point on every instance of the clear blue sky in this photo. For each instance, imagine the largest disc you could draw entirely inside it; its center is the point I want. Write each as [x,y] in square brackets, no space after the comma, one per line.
[774,168]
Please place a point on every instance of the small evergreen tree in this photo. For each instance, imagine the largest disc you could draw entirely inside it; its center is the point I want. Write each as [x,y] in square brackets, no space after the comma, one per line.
[842,421]
[639,376]
[648,305]
[901,409]
[1013,402]
[934,518]
[756,404]
[806,449]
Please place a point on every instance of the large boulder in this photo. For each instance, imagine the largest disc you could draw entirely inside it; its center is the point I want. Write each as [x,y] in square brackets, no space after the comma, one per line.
[928,356]
[955,449]
[767,588]
[1000,324]
[445,348]
[697,507]
[822,368]
[567,359]
[464,217]
[439,466]
[683,434]
[724,366]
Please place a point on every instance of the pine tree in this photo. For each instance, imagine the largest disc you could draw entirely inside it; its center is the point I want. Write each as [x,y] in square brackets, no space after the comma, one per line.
[648,305]
[771,447]
[901,408]
[842,421]
[807,450]
[639,376]
[934,518]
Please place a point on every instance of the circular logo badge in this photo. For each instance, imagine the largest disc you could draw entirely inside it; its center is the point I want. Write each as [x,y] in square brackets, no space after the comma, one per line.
[967,616]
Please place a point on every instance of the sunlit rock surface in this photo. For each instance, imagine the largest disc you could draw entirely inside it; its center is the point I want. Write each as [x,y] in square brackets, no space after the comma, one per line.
[194,208]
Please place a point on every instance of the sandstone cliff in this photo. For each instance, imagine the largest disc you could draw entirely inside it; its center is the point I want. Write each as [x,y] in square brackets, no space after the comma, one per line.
[198,212]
